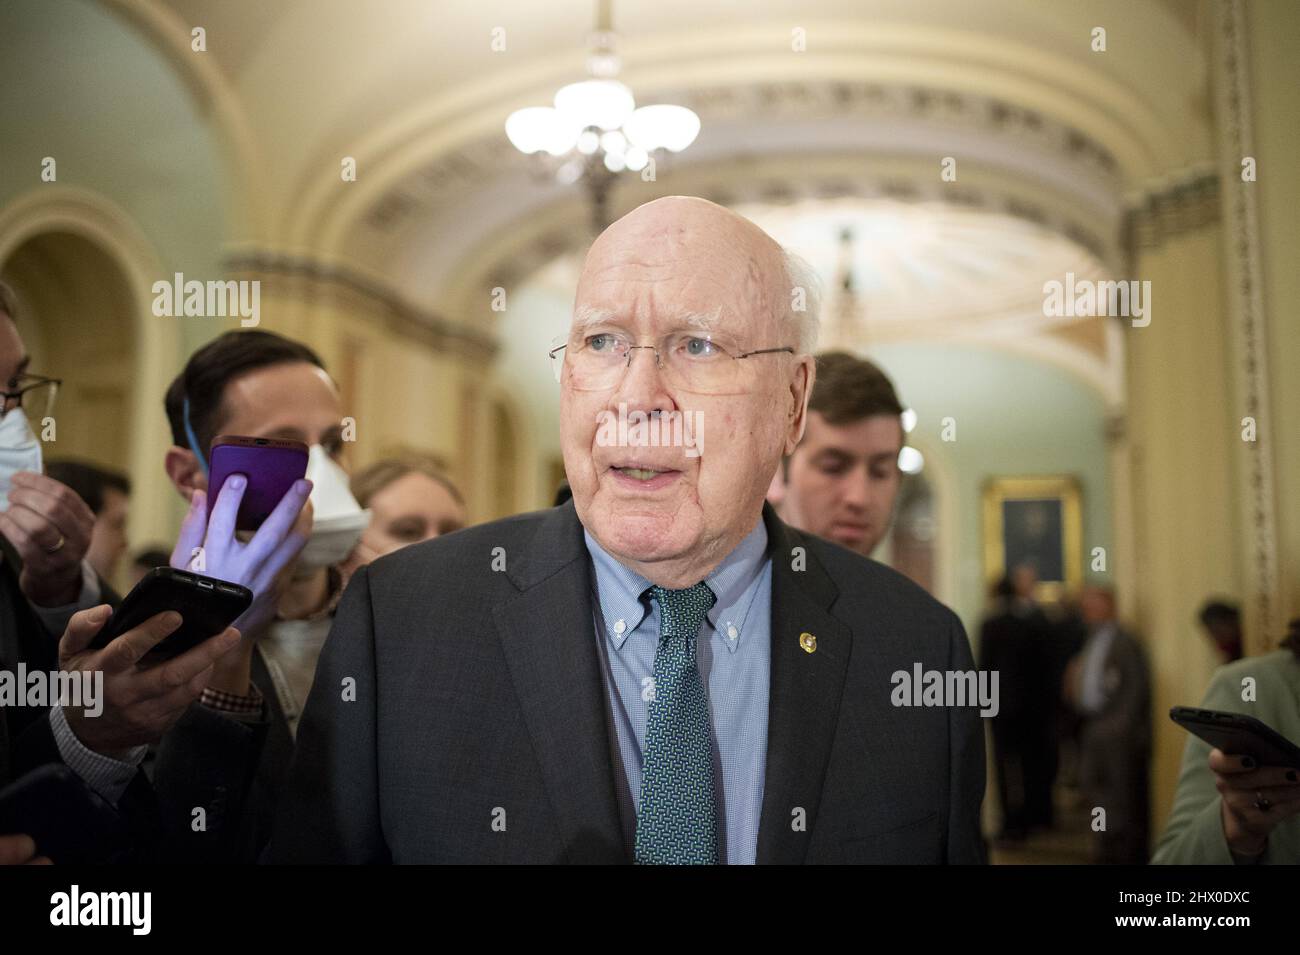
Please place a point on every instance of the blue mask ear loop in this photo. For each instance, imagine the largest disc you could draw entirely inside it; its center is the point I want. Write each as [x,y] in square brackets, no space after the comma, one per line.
[193,438]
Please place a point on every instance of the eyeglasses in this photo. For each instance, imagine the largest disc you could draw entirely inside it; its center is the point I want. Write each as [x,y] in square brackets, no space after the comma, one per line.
[689,360]
[35,394]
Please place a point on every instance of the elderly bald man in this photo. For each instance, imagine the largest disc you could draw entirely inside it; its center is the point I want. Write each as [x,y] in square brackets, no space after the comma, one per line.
[658,671]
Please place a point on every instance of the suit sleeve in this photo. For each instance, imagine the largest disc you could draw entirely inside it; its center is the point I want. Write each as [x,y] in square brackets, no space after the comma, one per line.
[329,812]
[206,761]
[965,844]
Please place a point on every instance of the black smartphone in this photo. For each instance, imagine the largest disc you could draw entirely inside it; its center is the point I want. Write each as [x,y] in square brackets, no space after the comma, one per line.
[207,606]
[1238,735]
[68,820]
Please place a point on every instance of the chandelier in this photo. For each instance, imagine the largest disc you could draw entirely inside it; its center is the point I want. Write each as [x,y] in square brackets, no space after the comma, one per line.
[595,129]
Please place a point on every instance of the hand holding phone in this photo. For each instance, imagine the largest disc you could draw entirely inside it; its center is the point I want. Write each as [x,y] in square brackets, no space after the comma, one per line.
[1256,771]
[206,606]
[210,546]
[138,702]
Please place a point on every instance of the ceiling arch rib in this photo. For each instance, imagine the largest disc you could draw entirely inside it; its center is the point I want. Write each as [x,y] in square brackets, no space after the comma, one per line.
[1103,111]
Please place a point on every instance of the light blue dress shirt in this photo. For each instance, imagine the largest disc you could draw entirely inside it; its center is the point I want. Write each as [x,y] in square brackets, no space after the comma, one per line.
[734,655]
[1092,694]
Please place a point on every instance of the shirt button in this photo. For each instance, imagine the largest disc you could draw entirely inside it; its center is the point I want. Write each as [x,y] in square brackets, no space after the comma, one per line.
[732,632]
[619,627]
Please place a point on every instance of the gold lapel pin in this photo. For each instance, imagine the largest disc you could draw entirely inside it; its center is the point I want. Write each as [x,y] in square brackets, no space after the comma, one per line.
[808,642]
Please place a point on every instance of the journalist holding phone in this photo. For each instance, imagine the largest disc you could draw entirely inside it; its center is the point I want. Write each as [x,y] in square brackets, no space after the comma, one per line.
[252,411]
[46,588]
[1228,808]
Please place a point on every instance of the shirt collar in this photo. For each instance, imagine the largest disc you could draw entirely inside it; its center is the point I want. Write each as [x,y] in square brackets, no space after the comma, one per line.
[733,583]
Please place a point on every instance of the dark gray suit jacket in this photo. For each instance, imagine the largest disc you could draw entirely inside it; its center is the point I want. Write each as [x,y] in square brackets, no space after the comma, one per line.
[479,697]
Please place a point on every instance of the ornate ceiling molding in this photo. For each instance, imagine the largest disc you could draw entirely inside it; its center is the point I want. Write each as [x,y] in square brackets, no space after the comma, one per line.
[845,107]
[305,280]
[507,255]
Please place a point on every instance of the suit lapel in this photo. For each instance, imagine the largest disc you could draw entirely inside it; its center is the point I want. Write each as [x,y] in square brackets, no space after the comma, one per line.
[805,692]
[547,634]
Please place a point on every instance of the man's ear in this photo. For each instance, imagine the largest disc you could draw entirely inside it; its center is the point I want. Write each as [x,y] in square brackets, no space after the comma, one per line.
[801,386]
[183,468]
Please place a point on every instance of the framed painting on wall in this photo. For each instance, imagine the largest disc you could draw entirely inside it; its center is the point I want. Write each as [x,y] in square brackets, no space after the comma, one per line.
[1036,521]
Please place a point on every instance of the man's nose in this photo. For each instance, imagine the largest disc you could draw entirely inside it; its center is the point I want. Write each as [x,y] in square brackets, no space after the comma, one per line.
[857,489]
[642,387]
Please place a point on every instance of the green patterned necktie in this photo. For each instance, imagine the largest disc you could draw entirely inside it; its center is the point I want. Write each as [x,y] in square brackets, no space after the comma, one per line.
[677,821]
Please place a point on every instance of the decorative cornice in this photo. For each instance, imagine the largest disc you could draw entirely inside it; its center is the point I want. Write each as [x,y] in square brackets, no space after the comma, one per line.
[403,318]
[447,177]
[728,186]
[1164,213]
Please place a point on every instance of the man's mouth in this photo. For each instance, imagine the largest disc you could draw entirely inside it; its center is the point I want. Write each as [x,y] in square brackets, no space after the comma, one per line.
[850,532]
[641,474]
[639,477]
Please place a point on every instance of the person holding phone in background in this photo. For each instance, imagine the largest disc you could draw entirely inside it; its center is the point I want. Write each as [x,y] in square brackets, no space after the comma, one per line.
[1227,809]
[47,589]
[257,384]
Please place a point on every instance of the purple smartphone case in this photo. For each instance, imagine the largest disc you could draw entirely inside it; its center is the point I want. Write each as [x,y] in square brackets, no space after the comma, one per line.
[270,470]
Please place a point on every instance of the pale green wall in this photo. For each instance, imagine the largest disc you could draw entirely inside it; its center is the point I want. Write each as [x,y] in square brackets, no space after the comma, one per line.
[78,84]
[1015,417]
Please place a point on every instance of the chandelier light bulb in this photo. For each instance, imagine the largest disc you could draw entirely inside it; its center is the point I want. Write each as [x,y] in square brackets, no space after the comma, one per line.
[605,104]
[541,128]
[636,158]
[613,142]
[662,126]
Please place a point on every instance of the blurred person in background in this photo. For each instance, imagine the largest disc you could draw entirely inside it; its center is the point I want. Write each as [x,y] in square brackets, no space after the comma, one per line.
[1227,808]
[410,498]
[1014,643]
[1109,686]
[842,480]
[108,494]
[1068,635]
[258,384]
[1043,671]
[1222,623]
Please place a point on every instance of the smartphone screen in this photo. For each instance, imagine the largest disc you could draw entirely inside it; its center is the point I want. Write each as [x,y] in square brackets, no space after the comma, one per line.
[271,466]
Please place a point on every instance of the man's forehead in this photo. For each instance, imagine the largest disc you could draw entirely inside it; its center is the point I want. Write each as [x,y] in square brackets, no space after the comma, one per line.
[869,436]
[660,311]
[681,263]
[714,288]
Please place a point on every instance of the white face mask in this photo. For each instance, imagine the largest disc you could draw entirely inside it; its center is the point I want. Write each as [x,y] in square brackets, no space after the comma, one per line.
[19,451]
[337,518]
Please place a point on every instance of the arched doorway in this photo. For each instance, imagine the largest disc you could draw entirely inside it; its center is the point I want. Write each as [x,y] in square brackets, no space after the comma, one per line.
[76,320]
[83,271]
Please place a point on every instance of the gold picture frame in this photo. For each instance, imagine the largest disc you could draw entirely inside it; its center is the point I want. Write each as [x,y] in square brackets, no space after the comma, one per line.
[1045,515]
